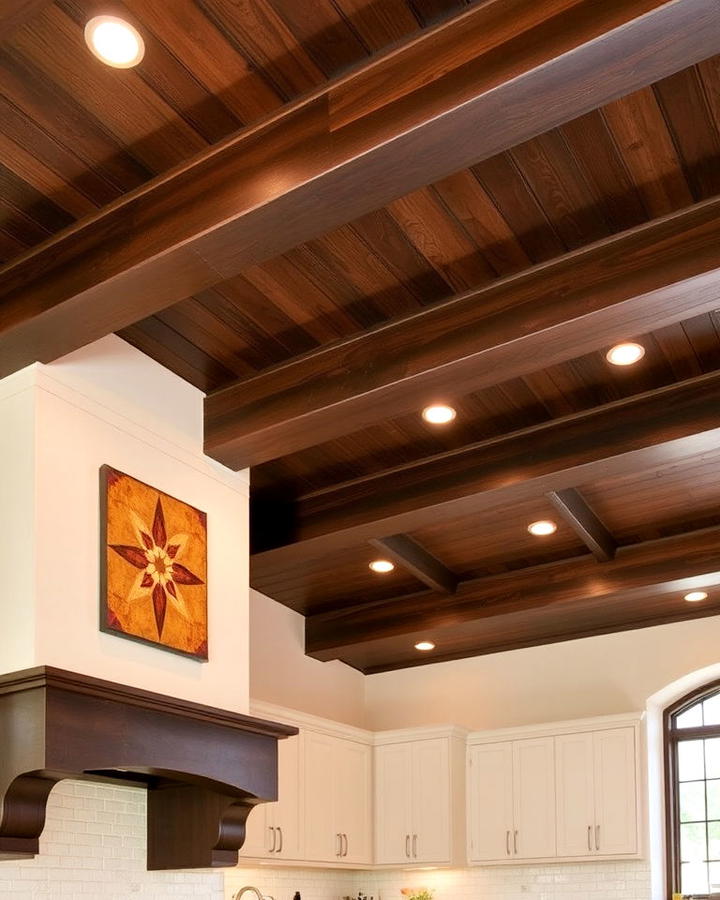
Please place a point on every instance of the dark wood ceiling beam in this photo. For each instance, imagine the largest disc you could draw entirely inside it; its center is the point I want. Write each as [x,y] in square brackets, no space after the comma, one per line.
[670,565]
[644,279]
[403,550]
[501,73]
[632,435]
[575,510]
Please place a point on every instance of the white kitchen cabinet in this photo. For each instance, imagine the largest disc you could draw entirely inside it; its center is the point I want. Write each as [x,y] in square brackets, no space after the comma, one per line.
[274,829]
[418,800]
[337,799]
[512,800]
[597,793]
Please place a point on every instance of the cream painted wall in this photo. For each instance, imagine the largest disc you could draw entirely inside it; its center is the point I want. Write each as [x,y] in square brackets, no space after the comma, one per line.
[589,677]
[17,523]
[111,404]
[281,673]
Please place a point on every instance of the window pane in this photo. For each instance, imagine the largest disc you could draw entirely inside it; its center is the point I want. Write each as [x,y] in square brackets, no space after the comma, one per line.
[692,801]
[711,710]
[694,878]
[713,799]
[691,765]
[693,844]
[712,757]
[714,841]
[691,718]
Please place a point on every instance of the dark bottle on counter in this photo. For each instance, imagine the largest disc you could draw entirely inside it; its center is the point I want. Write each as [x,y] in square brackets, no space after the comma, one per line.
[297,895]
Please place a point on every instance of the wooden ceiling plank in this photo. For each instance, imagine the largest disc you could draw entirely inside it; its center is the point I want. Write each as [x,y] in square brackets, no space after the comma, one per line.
[408,118]
[673,564]
[630,435]
[646,278]
[407,553]
[14,13]
[576,511]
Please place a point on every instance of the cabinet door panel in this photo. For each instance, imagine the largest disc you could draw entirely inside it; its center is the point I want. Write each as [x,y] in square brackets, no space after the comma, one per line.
[575,794]
[321,832]
[615,791]
[352,797]
[534,798]
[258,833]
[431,801]
[285,813]
[393,798]
[491,801]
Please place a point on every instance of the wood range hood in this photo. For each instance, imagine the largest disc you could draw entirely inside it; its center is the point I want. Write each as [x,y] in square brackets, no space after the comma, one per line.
[204,768]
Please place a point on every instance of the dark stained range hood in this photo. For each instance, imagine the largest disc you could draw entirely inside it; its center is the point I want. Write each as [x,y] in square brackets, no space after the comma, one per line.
[204,768]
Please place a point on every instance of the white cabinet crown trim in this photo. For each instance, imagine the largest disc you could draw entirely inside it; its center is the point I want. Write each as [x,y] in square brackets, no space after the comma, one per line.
[553,729]
[272,711]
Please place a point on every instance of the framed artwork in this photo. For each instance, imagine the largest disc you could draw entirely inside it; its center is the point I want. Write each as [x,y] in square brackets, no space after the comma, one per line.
[153,566]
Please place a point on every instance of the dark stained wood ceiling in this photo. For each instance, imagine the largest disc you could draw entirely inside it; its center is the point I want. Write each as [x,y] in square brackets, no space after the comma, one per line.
[76,136]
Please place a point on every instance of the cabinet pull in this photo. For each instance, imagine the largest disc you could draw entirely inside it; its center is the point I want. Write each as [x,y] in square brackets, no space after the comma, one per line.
[338,852]
[507,842]
[415,846]
[272,832]
[597,837]
[515,836]
[279,849]
[407,846]
[346,844]
[590,838]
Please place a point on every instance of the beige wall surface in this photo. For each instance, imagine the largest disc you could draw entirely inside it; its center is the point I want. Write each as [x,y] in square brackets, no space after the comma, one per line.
[281,673]
[590,677]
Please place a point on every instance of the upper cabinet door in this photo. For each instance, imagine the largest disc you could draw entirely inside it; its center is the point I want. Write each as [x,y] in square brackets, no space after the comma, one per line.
[534,798]
[615,792]
[352,796]
[259,834]
[490,789]
[431,799]
[285,814]
[574,775]
[321,834]
[393,803]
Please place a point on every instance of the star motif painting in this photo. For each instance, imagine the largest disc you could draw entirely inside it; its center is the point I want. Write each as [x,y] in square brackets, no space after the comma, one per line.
[154,566]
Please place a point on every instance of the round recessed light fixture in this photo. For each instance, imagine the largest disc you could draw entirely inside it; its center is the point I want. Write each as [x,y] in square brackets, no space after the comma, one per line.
[425,645]
[625,354]
[438,414]
[381,566]
[696,596]
[543,527]
[114,41]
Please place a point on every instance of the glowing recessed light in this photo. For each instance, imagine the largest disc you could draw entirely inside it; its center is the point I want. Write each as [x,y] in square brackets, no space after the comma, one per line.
[438,414]
[543,527]
[114,41]
[625,354]
[382,566]
[696,596]
[425,645]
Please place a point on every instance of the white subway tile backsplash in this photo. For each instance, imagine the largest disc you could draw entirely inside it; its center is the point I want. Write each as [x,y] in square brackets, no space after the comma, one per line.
[93,848]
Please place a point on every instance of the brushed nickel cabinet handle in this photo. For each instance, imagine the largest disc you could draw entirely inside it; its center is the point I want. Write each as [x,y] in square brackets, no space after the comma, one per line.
[590,838]
[407,846]
[272,832]
[338,852]
[515,837]
[597,837]
[415,846]
[279,849]
[507,842]
[346,844]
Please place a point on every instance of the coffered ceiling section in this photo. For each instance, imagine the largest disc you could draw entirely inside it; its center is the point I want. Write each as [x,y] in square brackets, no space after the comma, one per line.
[331,215]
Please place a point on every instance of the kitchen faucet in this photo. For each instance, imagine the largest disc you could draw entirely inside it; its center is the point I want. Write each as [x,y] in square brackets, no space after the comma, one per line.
[252,890]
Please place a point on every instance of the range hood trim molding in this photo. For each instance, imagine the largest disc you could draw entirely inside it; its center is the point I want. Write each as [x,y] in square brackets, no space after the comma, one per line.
[205,768]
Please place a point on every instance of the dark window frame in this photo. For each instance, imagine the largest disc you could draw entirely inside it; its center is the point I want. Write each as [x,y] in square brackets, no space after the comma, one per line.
[672,736]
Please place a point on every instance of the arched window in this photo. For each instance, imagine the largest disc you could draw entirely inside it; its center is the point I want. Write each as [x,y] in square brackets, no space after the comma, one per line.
[692,750]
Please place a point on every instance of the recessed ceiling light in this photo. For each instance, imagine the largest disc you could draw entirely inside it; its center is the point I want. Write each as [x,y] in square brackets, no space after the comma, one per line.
[114,41]
[425,645]
[696,596]
[438,414]
[382,566]
[543,527]
[625,354]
